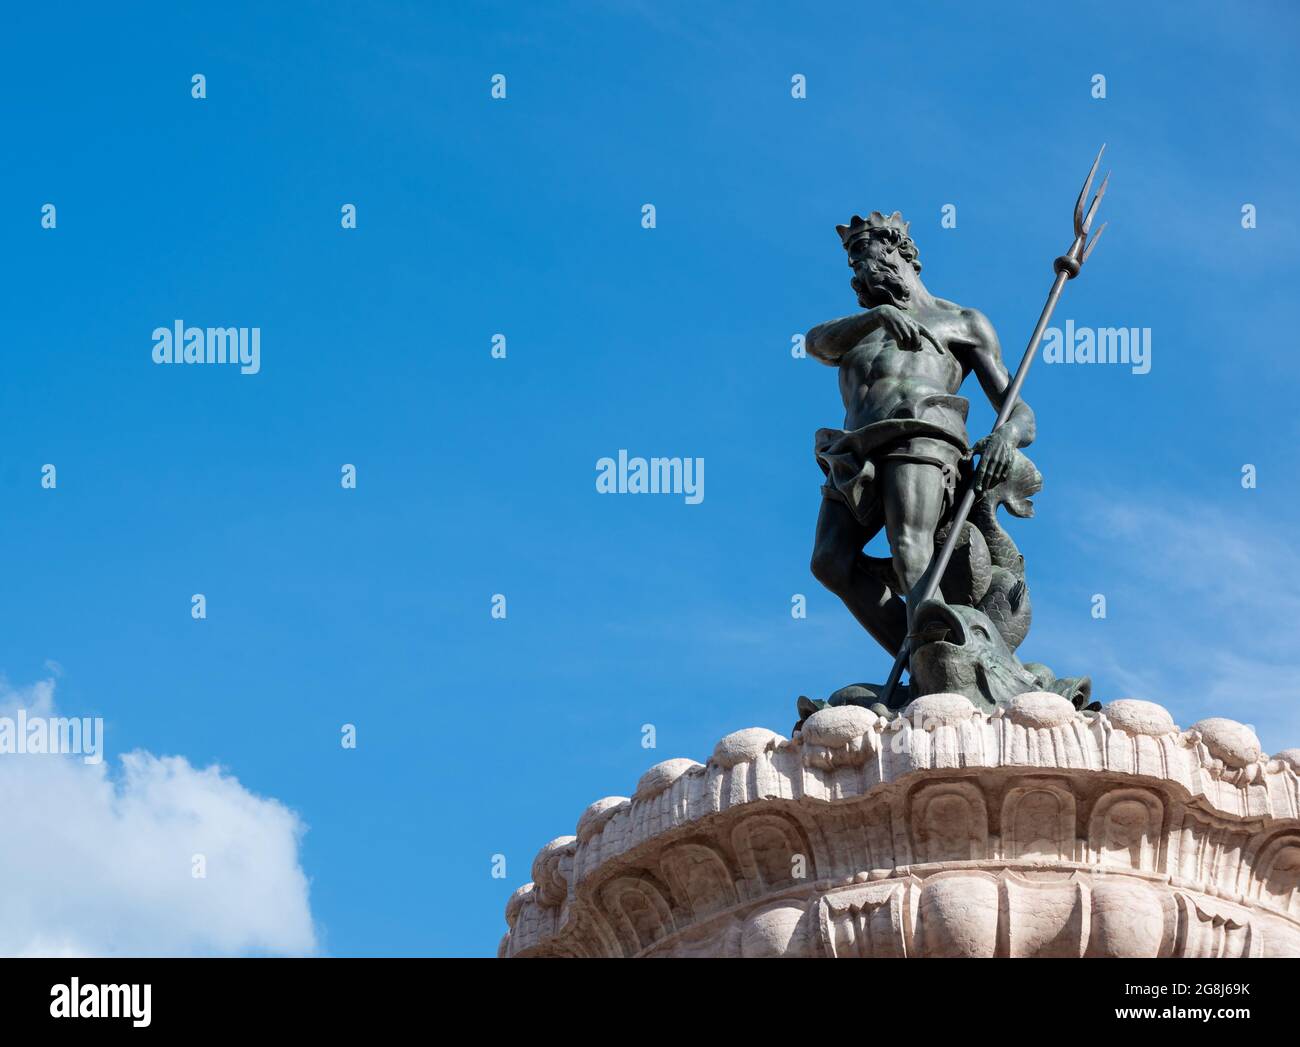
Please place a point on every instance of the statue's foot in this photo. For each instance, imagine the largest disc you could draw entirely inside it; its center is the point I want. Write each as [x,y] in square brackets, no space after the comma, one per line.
[863,695]
[806,706]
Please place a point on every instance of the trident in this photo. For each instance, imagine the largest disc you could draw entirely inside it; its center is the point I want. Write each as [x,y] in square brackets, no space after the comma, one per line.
[1067,268]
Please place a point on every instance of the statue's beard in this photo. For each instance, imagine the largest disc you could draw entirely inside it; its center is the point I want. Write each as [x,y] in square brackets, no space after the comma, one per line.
[879,282]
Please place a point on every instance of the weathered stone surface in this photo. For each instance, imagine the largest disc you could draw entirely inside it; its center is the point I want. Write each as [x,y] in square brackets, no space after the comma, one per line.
[1040,709]
[1034,830]
[838,736]
[838,726]
[946,709]
[1139,717]
[742,746]
[594,817]
[661,776]
[1232,742]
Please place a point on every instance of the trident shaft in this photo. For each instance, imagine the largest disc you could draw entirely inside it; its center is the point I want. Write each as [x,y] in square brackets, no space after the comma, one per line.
[1067,267]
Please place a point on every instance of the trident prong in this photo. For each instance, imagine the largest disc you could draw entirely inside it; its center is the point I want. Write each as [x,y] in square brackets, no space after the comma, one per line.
[1092,209]
[1082,246]
[1080,227]
[1093,242]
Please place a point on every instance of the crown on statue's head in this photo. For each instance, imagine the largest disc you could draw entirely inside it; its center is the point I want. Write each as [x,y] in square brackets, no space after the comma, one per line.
[859,225]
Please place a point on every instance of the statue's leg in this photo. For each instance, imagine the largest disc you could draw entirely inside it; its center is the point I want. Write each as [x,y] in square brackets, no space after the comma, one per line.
[838,563]
[913,494]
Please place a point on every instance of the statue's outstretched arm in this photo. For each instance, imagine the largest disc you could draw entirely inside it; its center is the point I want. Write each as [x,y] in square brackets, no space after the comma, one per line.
[831,340]
[828,342]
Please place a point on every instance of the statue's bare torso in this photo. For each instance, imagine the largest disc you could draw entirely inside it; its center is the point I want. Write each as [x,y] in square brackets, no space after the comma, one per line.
[901,365]
[878,377]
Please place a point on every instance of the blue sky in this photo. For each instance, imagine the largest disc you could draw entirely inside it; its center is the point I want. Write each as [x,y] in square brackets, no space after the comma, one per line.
[522,216]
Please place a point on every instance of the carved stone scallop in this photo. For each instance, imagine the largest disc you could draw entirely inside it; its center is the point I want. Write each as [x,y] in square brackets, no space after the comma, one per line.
[744,746]
[1232,742]
[1040,709]
[1139,717]
[662,776]
[1036,831]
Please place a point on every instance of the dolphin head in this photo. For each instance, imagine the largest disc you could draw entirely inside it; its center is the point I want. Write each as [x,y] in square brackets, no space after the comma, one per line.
[957,650]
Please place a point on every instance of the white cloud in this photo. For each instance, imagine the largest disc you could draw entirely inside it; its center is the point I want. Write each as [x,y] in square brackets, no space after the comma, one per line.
[1203,611]
[97,861]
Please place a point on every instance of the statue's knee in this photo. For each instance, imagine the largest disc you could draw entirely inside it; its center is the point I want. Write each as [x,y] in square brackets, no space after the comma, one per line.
[912,555]
[831,570]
